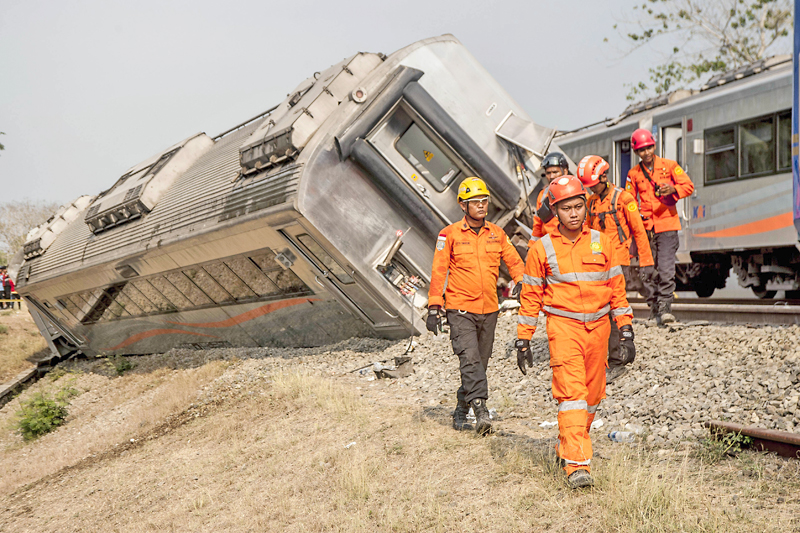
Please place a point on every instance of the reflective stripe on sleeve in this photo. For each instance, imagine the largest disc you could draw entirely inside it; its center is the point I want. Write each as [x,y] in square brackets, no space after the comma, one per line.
[581,317]
[621,311]
[531,280]
[572,405]
[527,320]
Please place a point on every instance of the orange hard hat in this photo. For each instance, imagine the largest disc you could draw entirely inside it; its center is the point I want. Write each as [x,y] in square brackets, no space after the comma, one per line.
[564,188]
[642,138]
[590,169]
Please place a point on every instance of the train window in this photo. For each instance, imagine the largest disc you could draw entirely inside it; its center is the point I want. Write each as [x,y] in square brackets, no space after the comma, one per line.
[785,141]
[325,259]
[229,281]
[720,154]
[757,147]
[207,284]
[128,305]
[252,276]
[141,301]
[156,297]
[288,282]
[171,292]
[426,158]
[266,261]
[188,289]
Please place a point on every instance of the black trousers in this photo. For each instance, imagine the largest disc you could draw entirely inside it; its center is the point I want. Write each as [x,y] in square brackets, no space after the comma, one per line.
[472,336]
[660,289]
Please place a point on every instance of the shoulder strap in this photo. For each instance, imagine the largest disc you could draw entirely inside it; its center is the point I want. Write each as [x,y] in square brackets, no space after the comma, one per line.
[647,174]
[622,237]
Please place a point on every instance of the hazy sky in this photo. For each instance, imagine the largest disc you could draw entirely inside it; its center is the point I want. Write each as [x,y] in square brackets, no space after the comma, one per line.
[89,88]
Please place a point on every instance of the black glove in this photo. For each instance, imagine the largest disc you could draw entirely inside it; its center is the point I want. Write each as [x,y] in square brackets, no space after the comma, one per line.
[516,290]
[524,355]
[434,321]
[647,273]
[626,343]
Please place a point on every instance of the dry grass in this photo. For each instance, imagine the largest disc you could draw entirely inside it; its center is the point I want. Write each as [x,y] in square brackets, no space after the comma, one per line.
[19,341]
[274,456]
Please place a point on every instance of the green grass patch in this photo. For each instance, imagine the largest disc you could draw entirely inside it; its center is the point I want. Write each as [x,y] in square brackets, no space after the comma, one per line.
[42,413]
[721,445]
[3,329]
[120,364]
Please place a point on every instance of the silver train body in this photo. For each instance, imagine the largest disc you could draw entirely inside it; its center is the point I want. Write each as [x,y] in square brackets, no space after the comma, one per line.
[733,138]
[308,224]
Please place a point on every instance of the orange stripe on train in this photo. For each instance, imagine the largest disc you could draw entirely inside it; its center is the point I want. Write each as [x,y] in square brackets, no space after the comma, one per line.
[764,225]
[153,333]
[249,315]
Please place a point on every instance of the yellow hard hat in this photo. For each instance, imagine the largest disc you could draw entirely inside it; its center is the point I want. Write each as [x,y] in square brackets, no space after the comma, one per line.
[472,187]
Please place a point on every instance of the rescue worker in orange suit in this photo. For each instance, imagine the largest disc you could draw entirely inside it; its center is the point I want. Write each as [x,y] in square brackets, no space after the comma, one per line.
[468,255]
[574,276]
[659,183]
[555,165]
[614,212]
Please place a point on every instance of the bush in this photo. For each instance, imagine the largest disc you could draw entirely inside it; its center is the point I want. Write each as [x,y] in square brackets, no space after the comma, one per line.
[42,414]
[3,329]
[120,364]
[721,445]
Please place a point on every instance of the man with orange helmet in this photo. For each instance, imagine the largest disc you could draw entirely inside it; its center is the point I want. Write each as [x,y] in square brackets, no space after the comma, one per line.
[555,165]
[614,212]
[659,183]
[574,276]
[468,255]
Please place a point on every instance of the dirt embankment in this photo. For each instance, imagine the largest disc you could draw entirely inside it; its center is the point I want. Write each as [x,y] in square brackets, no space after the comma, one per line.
[291,440]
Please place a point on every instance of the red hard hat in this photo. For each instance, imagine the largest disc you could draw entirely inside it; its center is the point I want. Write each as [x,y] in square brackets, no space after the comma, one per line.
[642,139]
[564,188]
[590,169]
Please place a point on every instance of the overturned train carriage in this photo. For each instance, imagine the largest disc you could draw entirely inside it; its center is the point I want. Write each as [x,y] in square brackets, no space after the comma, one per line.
[311,223]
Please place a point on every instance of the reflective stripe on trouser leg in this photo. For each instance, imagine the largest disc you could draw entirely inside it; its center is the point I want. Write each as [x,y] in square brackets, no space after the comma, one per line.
[592,411]
[578,360]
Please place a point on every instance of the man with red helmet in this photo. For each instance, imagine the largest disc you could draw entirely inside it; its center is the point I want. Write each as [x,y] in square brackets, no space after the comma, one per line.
[614,212]
[659,183]
[555,165]
[574,276]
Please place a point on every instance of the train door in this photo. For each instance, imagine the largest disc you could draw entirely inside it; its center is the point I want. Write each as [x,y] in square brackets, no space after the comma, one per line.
[423,160]
[672,148]
[340,279]
[623,158]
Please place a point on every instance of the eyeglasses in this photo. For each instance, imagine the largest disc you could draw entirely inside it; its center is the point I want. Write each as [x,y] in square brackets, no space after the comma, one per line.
[478,201]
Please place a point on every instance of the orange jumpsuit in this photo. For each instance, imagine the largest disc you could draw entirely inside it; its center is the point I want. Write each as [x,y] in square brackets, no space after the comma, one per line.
[657,215]
[601,213]
[540,229]
[576,284]
[473,262]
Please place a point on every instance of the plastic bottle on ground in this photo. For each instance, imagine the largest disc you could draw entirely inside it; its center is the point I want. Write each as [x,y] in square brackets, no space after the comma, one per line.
[622,436]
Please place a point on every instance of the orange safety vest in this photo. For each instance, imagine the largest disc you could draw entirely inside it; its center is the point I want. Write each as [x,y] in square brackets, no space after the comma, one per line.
[580,280]
[657,215]
[617,216]
[470,263]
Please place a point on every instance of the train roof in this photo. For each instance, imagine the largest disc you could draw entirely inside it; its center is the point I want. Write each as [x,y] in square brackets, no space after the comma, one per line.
[755,74]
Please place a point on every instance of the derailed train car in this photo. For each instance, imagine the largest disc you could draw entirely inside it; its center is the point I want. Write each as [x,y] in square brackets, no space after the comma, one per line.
[734,139]
[311,223]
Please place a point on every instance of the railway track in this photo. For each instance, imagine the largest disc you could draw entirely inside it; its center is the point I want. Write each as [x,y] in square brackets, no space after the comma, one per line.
[781,442]
[731,311]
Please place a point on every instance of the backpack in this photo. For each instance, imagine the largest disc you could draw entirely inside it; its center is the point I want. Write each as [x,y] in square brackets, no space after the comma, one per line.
[613,213]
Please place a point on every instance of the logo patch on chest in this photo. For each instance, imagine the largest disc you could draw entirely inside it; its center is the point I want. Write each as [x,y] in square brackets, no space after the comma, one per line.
[596,247]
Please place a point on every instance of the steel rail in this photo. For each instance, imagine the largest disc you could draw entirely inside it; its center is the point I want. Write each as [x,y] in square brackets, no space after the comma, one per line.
[781,442]
[728,311]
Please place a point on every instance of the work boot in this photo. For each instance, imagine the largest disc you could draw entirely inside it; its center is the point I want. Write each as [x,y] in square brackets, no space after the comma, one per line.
[460,422]
[666,313]
[580,478]
[483,423]
[615,372]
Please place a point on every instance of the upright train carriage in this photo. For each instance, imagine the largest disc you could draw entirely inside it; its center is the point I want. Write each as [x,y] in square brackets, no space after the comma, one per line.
[310,223]
[734,138]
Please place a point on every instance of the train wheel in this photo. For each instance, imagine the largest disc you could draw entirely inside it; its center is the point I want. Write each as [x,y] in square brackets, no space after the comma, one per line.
[763,293]
[704,291]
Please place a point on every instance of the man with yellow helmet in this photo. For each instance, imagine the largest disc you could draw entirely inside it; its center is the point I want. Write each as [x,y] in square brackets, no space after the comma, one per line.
[468,255]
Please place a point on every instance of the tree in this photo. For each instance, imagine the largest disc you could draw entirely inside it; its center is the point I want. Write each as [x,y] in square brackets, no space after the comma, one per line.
[698,37]
[17,218]
[1,146]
